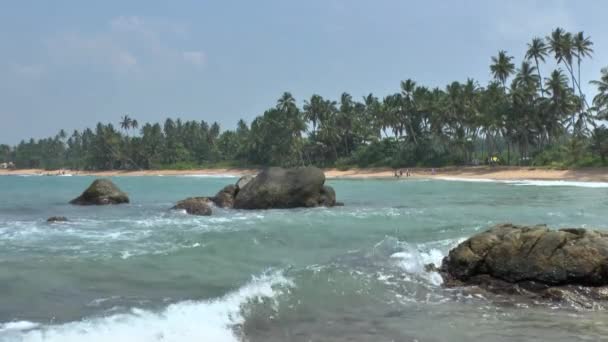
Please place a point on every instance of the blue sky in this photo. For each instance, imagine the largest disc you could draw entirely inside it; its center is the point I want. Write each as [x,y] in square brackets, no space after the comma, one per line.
[70,64]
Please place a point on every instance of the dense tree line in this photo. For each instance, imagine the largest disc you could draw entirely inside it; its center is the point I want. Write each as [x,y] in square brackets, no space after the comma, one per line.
[525,115]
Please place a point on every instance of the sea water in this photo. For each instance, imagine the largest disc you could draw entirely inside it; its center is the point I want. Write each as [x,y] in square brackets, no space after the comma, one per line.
[142,272]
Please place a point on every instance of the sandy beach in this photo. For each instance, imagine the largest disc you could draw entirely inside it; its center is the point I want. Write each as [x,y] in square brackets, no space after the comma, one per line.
[481,172]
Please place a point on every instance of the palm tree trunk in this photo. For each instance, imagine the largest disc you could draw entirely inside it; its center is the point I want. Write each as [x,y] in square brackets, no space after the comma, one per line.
[540,79]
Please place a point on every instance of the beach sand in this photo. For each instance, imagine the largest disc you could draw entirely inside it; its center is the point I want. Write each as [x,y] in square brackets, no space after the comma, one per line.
[480,172]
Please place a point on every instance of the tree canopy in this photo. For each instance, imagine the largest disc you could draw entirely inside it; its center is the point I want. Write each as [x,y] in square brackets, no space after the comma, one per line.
[519,118]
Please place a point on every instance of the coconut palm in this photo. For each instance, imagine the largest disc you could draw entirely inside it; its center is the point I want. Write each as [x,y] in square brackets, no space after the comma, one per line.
[125,122]
[537,50]
[502,67]
[313,110]
[134,124]
[526,76]
[286,102]
[561,43]
[582,48]
[600,101]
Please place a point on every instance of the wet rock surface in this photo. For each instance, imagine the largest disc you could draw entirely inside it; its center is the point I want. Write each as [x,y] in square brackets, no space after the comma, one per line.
[534,261]
[101,192]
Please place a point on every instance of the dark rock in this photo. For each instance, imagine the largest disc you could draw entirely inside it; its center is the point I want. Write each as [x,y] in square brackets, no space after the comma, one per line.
[225,197]
[430,268]
[101,192]
[195,206]
[327,197]
[56,219]
[285,188]
[533,258]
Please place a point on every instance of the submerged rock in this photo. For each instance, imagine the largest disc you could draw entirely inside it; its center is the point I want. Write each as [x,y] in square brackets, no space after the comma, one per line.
[195,206]
[565,263]
[56,219]
[100,192]
[285,188]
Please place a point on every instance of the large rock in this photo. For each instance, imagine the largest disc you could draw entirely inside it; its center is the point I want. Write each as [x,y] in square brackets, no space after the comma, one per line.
[225,197]
[243,181]
[285,188]
[195,206]
[100,192]
[509,254]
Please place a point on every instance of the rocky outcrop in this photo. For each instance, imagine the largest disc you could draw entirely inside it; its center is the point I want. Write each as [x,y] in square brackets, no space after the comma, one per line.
[200,206]
[549,263]
[285,188]
[243,181]
[327,197]
[56,219]
[225,197]
[101,192]
[272,188]
[518,253]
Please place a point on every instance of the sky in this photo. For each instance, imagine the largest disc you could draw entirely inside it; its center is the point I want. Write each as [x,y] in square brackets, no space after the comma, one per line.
[71,64]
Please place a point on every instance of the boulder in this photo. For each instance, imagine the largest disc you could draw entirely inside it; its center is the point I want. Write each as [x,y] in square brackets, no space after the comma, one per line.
[535,258]
[100,192]
[243,181]
[195,206]
[56,219]
[327,197]
[225,197]
[285,188]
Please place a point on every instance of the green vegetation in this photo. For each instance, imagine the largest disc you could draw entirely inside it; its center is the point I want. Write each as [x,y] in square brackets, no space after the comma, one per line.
[519,117]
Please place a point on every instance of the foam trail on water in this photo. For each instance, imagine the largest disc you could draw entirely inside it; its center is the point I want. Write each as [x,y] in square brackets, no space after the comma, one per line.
[530,182]
[210,320]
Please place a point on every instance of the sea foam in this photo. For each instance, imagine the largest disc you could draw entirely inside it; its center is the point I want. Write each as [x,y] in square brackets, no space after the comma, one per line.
[210,320]
[530,182]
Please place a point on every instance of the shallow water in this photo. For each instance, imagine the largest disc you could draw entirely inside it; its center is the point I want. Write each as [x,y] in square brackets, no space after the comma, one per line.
[140,272]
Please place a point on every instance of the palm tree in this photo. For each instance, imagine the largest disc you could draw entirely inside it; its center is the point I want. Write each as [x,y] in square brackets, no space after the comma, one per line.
[502,67]
[600,101]
[313,110]
[134,124]
[125,122]
[537,50]
[561,44]
[525,76]
[286,102]
[582,48]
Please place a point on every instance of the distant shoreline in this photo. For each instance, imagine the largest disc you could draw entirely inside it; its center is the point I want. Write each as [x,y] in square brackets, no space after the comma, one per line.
[599,174]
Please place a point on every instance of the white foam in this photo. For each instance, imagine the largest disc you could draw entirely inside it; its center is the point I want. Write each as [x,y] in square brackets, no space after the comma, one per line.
[530,182]
[185,321]
[414,261]
[17,326]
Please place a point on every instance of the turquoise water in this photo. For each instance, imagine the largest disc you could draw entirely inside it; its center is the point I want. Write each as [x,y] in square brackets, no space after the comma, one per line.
[141,272]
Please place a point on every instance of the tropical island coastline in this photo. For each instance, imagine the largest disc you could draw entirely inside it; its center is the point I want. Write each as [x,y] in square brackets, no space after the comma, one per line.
[499,173]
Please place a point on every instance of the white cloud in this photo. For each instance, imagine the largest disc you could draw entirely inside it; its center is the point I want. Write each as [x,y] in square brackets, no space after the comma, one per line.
[196,58]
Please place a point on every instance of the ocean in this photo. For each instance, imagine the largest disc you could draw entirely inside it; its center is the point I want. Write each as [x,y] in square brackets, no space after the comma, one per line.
[142,272]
